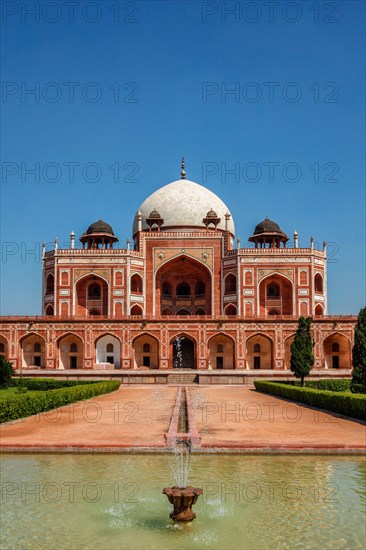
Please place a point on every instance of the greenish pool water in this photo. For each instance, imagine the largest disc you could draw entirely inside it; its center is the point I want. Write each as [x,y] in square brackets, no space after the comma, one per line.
[108,501]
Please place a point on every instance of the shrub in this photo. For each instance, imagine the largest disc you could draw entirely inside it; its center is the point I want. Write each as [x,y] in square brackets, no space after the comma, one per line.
[6,372]
[44,384]
[348,404]
[359,354]
[330,385]
[302,358]
[25,405]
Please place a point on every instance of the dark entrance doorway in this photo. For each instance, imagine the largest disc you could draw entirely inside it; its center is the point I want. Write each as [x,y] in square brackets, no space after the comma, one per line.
[183,353]
[73,362]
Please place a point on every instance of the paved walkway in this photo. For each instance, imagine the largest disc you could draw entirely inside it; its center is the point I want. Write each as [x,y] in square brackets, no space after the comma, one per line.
[128,417]
[229,417]
[240,417]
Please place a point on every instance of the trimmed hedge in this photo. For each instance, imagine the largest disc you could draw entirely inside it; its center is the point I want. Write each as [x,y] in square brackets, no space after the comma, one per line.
[348,404]
[329,385]
[25,405]
[44,384]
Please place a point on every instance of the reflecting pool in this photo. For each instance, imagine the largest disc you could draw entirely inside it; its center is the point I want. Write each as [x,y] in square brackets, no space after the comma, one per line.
[105,501]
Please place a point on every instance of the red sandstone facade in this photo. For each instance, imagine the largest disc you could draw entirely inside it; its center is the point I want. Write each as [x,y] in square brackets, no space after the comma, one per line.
[232,308]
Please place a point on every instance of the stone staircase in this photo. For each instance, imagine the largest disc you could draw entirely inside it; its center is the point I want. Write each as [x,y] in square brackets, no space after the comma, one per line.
[183,378]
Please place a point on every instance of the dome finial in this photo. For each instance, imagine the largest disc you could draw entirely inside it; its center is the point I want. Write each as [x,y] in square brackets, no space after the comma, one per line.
[183,172]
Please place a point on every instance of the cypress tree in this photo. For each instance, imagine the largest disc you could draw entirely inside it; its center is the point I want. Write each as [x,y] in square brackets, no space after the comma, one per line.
[359,354]
[302,358]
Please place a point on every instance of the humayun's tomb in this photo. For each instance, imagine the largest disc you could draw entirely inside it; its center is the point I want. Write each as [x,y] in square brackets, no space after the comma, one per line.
[118,311]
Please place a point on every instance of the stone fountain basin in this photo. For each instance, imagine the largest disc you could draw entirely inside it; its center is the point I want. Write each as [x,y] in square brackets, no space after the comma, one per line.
[182,498]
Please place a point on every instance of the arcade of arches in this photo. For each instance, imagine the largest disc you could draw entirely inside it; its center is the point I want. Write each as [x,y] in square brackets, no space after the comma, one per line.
[220,352]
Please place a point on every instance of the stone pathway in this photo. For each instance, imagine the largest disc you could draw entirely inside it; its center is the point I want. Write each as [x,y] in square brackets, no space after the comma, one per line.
[240,417]
[128,417]
[227,418]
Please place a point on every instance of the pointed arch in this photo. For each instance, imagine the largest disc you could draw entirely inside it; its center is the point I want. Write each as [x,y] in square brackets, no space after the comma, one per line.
[337,357]
[276,292]
[107,350]
[262,359]
[183,351]
[230,309]
[136,310]
[50,283]
[230,283]
[183,283]
[71,351]
[137,283]
[144,357]
[287,356]
[33,350]
[4,346]
[221,351]
[91,292]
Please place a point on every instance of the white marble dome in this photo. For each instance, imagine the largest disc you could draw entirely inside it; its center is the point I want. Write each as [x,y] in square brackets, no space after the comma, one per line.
[183,203]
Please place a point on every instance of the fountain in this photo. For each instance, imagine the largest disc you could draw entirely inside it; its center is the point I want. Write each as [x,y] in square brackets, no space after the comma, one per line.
[182,499]
[181,495]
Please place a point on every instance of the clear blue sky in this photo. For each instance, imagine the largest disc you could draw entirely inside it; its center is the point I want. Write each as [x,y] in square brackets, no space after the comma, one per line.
[299,80]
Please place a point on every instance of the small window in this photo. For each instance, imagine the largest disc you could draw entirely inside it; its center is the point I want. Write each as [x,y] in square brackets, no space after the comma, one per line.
[94,291]
[73,348]
[136,284]
[220,348]
[273,291]
[166,289]
[183,290]
[257,348]
[230,283]
[37,347]
[200,288]
[146,348]
[109,348]
[335,347]
[50,284]
[318,283]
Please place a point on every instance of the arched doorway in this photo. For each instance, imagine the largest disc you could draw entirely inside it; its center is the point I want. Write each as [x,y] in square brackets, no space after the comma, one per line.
[71,352]
[146,352]
[108,350]
[221,352]
[91,296]
[259,352]
[33,351]
[182,286]
[275,295]
[183,352]
[288,343]
[3,347]
[337,352]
